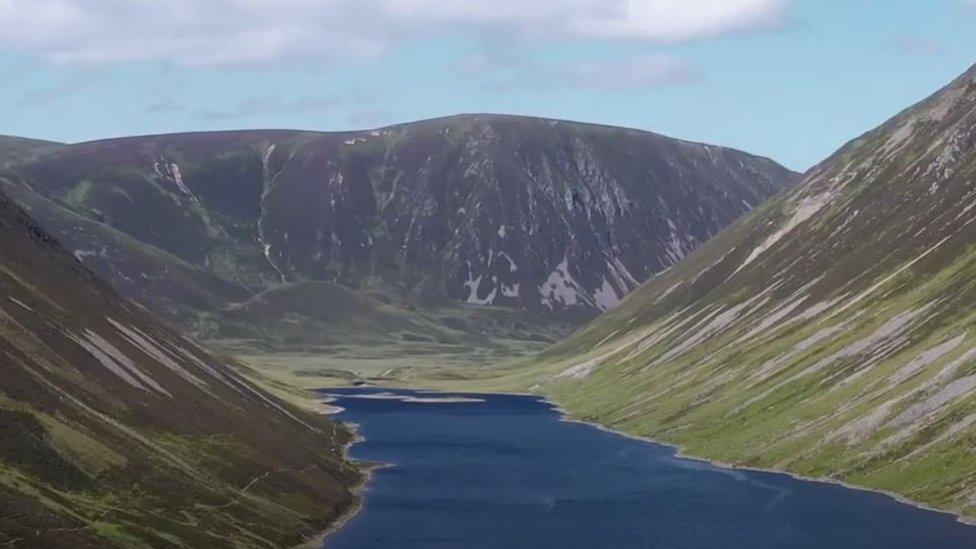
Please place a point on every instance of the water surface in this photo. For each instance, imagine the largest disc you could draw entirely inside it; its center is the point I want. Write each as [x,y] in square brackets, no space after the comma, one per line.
[503,471]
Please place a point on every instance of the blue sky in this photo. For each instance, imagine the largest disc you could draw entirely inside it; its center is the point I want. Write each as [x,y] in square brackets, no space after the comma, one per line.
[790,79]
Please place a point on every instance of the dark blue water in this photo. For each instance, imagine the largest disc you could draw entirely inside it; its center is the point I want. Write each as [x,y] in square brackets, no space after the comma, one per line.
[505,472]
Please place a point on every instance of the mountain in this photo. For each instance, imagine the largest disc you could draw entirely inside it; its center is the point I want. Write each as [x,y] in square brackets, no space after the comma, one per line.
[117,431]
[19,149]
[829,333]
[554,219]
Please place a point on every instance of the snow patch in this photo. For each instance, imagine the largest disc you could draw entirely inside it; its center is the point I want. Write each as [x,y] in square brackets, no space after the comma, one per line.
[925,358]
[80,255]
[172,172]
[774,365]
[147,345]
[882,342]
[863,427]
[942,397]
[20,303]
[580,370]
[116,362]
[473,284]
[512,267]
[510,291]
[714,325]
[622,275]
[606,297]
[773,318]
[560,288]
[807,208]
[669,291]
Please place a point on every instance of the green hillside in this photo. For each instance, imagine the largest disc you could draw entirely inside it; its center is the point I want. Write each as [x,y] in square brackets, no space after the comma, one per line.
[830,333]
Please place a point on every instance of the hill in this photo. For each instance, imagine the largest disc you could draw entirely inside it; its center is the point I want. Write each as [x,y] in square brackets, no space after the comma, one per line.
[552,221]
[117,431]
[829,333]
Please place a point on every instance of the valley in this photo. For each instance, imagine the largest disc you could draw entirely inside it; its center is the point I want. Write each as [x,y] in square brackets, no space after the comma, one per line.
[125,431]
[420,274]
[816,325]
[791,341]
[460,232]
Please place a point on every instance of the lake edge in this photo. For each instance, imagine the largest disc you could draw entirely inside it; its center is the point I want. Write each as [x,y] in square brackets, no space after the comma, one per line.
[564,415]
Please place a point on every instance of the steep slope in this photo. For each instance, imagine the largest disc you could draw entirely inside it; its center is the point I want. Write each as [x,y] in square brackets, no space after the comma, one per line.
[115,431]
[556,218]
[831,332]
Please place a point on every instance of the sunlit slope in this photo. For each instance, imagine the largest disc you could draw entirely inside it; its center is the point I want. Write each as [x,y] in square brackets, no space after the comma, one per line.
[831,332]
[116,431]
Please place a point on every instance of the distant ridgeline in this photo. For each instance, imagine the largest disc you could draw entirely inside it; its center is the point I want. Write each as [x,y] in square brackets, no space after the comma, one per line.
[226,231]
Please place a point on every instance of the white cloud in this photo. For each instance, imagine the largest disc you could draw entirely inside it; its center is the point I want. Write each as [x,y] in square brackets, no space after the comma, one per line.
[679,20]
[263,32]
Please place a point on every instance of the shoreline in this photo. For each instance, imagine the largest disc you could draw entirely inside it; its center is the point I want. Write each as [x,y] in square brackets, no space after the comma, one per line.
[318,540]
[679,453]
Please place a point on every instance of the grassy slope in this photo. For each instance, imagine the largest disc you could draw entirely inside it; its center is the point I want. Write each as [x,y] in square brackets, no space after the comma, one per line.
[378,337]
[829,333]
[114,439]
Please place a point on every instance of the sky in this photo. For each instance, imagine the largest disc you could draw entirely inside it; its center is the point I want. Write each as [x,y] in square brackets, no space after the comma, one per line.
[788,79]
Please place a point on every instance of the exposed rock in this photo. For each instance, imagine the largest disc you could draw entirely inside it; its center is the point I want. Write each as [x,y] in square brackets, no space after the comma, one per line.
[548,216]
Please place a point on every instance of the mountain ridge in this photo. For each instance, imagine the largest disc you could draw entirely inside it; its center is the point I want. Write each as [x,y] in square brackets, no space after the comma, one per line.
[464,116]
[556,218]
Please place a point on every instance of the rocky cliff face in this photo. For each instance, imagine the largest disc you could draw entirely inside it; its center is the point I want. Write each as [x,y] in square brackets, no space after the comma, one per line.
[828,333]
[540,215]
[116,431]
